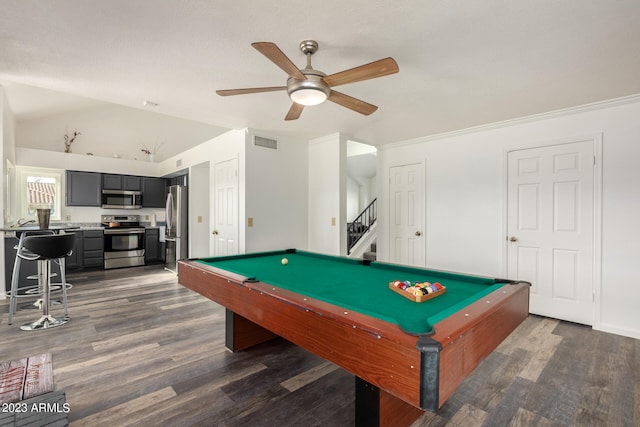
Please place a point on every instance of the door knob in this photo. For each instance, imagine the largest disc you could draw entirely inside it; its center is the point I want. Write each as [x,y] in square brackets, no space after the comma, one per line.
[418,233]
[513,239]
[214,232]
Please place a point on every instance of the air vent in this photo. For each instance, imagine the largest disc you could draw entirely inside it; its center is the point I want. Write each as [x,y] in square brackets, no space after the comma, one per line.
[260,141]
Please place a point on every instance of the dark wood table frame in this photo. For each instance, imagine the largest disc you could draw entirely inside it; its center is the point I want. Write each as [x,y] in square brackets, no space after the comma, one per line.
[398,375]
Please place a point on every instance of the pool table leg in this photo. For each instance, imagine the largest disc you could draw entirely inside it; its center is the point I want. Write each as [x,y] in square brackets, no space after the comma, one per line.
[241,333]
[377,408]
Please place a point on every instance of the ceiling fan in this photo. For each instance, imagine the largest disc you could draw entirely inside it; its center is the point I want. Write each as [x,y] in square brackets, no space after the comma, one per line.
[308,87]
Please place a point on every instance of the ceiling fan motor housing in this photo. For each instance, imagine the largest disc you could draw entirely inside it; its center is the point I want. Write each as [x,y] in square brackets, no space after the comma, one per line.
[312,91]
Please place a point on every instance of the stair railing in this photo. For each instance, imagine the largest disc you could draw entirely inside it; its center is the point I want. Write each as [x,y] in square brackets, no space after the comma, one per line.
[360,225]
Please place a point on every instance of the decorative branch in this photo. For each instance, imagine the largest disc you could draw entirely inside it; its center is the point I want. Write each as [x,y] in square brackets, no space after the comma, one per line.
[156,147]
[68,140]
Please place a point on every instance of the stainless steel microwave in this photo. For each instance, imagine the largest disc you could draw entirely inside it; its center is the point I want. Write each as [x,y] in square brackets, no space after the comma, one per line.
[121,199]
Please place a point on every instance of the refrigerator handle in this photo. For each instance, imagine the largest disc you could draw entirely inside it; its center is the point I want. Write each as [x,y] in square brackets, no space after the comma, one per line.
[169,211]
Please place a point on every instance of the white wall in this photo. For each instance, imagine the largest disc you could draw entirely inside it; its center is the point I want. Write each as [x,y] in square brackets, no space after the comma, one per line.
[7,146]
[114,130]
[230,145]
[465,200]
[360,193]
[276,194]
[361,166]
[200,230]
[82,162]
[6,141]
[8,127]
[272,187]
[354,199]
[327,195]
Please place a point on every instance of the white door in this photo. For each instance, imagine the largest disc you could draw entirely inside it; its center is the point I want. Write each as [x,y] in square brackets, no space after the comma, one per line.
[225,232]
[550,227]
[406,215]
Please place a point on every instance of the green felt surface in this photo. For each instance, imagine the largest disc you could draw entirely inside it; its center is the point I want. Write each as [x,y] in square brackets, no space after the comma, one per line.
[350,284]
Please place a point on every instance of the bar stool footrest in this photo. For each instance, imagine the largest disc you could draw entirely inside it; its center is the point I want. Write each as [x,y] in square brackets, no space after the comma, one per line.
[35,276]
[44,322]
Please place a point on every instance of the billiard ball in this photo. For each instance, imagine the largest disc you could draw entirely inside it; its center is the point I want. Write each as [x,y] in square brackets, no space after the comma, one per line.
[284,261]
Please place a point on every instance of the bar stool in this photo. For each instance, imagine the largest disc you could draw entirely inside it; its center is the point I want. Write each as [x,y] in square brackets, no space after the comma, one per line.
[44,248]
[15,277]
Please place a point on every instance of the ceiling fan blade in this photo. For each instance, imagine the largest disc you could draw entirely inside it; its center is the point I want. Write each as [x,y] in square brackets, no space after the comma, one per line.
[273,53]
[375,69]
[294,111]
[228,92]
[352,103]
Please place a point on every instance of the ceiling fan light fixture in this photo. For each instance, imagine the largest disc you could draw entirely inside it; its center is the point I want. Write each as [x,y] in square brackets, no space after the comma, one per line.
[308,96]
[312,91]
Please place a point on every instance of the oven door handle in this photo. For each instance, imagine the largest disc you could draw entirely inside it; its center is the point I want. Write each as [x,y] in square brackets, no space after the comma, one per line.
[124,231]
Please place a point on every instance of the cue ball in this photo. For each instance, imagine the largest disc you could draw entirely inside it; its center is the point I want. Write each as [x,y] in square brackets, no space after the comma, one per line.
[284,261]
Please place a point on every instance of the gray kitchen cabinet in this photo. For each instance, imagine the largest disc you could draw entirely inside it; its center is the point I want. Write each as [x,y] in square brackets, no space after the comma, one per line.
[111,182]
[74,260]
[154,192]
[83,188]
[121,182]
[93,248]
[152,246]
[132,183]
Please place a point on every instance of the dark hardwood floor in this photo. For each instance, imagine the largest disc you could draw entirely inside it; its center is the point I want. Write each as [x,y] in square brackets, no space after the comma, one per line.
[142,350]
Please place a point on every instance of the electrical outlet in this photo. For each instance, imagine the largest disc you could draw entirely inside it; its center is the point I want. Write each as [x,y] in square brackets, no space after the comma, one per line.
[67,217]
[333,221]
[250,222]
[199,219]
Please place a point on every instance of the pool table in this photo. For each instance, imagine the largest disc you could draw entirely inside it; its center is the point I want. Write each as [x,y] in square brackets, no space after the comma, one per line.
[407,357]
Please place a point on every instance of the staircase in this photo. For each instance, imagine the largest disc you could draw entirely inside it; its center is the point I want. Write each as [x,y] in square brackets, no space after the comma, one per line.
[361,226]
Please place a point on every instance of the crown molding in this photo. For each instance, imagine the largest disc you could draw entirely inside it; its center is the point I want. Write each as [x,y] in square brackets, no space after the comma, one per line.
[615,102]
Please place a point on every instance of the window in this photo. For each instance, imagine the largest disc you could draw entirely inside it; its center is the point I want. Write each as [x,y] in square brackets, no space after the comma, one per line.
[39,188]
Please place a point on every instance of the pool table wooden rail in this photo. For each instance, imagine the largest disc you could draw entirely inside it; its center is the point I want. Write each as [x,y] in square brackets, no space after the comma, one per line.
[468,336]
[374,350]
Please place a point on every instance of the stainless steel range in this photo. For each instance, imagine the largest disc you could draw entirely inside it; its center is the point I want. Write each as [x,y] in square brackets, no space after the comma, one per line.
[123,241]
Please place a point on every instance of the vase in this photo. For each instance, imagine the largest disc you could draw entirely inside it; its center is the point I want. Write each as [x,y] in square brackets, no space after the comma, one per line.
[43,218]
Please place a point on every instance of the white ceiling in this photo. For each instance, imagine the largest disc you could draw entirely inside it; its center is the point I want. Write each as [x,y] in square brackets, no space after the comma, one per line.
[462,63]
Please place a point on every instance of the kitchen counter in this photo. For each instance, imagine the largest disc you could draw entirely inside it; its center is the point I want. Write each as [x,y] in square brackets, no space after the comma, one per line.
[54,227]
[89,250]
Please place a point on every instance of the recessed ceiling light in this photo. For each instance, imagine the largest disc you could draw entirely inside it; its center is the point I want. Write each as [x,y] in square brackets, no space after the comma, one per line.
[149,104]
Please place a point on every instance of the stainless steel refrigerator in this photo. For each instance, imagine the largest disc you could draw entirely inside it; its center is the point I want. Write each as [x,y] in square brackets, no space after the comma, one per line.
[176,233]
